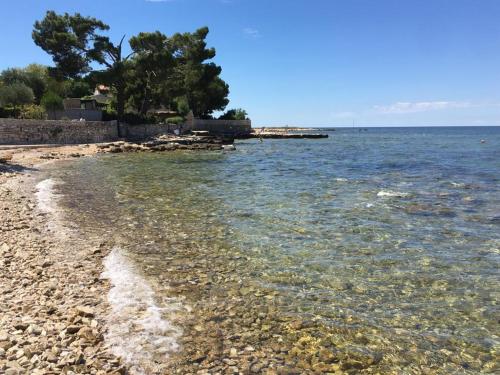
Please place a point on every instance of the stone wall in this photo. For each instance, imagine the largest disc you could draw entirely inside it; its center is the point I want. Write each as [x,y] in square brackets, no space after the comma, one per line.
[215,127]
[144,131]
[17,132]
[76,114]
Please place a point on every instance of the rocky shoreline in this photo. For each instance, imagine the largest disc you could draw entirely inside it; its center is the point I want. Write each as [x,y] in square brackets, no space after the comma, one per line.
[53,304]
[169,143]
[16,158]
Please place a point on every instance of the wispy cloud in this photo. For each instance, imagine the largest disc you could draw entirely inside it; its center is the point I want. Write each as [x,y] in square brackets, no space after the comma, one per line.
[414,107]
[252,33]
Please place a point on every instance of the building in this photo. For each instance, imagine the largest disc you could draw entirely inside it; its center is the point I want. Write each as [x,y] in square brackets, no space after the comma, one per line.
[102,96]
[89,108]
[77,109]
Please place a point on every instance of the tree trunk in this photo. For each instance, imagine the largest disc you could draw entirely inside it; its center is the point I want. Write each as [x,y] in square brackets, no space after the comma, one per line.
[120,100]
[145,104]
[120,105]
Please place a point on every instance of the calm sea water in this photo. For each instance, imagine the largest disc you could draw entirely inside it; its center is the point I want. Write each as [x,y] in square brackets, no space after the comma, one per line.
[382,244]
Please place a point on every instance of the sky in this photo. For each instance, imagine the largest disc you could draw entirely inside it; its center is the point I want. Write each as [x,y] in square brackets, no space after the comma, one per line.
[317,62]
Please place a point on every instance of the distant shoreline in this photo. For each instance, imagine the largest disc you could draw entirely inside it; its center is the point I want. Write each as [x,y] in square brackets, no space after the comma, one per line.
[286,128]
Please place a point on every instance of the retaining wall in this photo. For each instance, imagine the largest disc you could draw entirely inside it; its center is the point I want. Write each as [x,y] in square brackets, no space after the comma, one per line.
[25,132]
[144,131]
[19,132]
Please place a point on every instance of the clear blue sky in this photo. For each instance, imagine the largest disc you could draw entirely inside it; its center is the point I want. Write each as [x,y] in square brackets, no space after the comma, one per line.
[318,62]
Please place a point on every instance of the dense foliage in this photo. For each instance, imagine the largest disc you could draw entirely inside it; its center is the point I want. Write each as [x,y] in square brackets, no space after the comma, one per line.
[74,43]
[51,102]
[173,73]
[15,95]
[160,72]
[32,111]
[234,114]
[33,76]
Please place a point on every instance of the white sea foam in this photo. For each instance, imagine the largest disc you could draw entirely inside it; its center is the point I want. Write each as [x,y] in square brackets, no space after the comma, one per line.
[340,179]
[139,328]
[45,196]
[393,194]
[47,202]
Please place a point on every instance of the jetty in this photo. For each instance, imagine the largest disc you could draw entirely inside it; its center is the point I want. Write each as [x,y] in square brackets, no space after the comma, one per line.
[286,133]
[270,135]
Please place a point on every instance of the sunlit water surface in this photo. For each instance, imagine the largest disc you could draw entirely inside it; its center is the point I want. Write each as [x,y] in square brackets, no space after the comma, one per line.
[387,237]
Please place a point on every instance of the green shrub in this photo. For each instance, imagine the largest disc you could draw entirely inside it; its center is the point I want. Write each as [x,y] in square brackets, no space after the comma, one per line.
[34,76]
[136,119]
[234,114]
[15,95]
[77,89]
[109,115]
[33,111]
[10,112]
[182,105]
[51,102]
[129,117]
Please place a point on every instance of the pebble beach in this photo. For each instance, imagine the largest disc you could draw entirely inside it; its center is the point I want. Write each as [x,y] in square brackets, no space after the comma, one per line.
[52,304]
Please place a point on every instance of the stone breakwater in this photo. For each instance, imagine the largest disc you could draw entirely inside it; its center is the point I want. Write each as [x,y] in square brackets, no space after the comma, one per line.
[52,308]
[285,133]
[168,143]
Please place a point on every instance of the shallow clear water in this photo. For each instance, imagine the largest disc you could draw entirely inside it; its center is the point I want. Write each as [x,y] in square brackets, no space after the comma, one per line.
[385,242]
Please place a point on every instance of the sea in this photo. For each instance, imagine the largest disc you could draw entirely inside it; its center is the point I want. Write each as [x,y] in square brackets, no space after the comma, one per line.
[375,250]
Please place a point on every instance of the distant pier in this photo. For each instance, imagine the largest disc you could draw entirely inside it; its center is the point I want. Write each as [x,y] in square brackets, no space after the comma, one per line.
[286,133]
[280,135]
